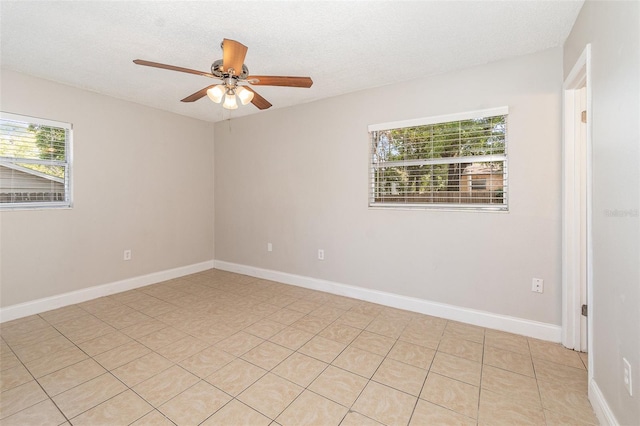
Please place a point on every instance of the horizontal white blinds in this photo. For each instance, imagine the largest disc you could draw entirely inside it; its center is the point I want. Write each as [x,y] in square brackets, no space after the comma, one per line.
[460,163]
[34,162]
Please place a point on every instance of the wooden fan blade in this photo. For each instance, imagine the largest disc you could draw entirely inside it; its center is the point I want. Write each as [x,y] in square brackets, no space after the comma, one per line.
[172,68]
[258,101]
[199,94]
[233,54]
[274,80]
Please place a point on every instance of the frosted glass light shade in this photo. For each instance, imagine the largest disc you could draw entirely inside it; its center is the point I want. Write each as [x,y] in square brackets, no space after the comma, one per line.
[245,95]
[230,102]
[216,93]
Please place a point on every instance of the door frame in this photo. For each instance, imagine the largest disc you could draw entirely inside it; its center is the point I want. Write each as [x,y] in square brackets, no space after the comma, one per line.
[579,76]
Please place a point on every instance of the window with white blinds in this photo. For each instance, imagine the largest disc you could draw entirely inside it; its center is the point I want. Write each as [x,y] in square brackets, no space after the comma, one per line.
[35,162]
[456,161]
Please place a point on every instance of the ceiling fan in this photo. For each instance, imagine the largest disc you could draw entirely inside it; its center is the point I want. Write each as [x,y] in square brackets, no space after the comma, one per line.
[233,73]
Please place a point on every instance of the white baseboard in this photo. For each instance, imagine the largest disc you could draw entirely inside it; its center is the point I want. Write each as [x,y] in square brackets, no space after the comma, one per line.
[600,407]
[53,302]
[510,324]
[539,330]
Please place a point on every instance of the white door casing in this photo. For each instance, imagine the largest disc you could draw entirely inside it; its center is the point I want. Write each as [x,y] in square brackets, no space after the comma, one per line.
[577,206]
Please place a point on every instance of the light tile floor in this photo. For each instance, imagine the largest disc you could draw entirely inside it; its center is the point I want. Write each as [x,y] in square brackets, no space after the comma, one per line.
[217,348]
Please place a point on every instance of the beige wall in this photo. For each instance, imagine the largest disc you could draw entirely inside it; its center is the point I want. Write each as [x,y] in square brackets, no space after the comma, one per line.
[297,178]
[143,180]
[612,28]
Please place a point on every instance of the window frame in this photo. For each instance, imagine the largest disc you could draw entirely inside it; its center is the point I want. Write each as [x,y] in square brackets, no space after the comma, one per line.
[67,164]
[441,119]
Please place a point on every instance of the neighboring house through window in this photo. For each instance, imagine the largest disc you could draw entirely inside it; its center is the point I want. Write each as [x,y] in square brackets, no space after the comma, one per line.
[35,162]
[456,161]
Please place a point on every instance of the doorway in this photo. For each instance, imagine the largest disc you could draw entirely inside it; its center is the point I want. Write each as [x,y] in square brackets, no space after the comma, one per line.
[576,215]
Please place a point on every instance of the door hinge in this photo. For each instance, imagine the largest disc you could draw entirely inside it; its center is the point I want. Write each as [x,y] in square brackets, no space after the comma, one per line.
[583,116]
[584,310]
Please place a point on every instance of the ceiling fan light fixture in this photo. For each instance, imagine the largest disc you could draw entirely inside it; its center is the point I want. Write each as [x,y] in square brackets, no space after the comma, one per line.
[230,101]
[244,94]
[216,93]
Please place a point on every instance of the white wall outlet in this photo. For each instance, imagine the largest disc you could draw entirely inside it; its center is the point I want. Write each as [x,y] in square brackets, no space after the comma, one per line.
[269,247]
[627,376]
[537,285]
[320,254]
[127,255]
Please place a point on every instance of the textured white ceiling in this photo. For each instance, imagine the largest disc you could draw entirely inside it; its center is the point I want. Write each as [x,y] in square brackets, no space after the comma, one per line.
[343,46]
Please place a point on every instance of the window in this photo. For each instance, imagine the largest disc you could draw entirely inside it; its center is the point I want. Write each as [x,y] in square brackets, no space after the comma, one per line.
[478,184]
[457,161]
[35,162]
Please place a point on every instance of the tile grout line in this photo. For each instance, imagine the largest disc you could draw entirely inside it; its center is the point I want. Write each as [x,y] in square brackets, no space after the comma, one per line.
[40,385]
[89,357]
[424,382]
[484,345]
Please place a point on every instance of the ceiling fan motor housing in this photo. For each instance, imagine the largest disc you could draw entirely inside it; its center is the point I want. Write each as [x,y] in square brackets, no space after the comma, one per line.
[216,69]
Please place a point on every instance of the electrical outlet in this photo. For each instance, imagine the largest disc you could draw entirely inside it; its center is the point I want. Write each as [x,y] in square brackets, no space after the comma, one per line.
[627,376]
[320,254]
[127,255]
[537,285]
[269,247]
